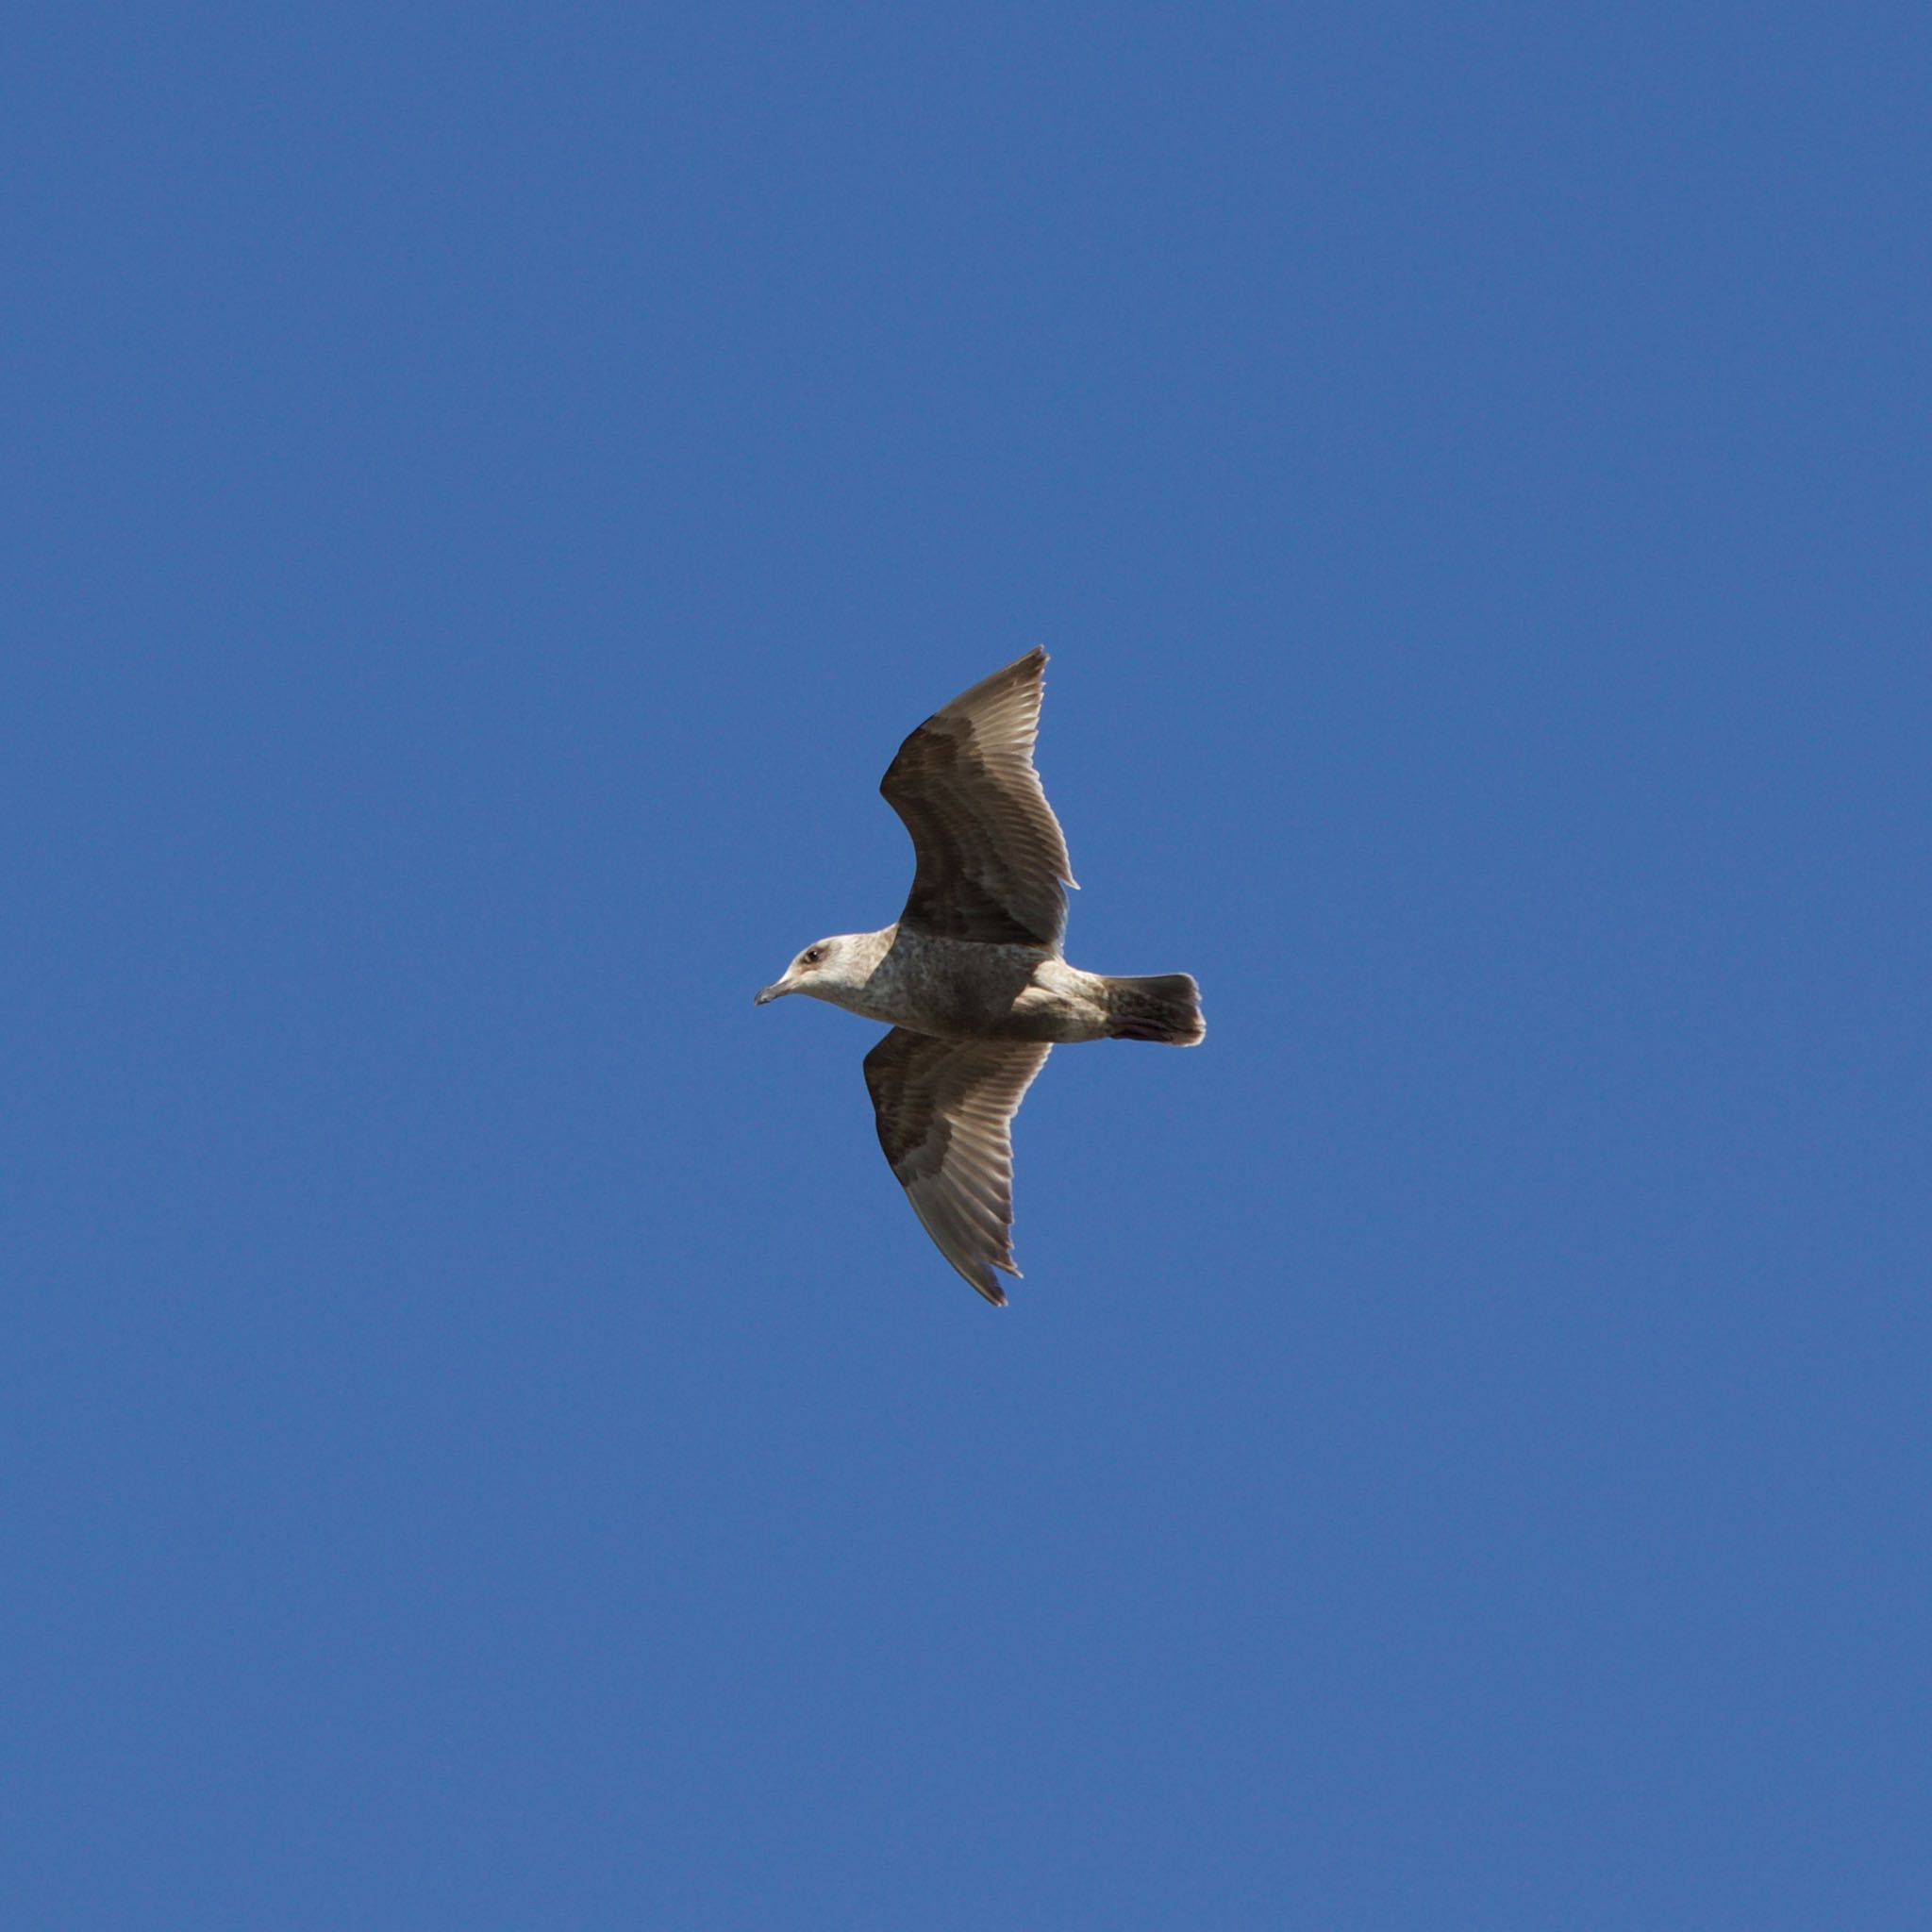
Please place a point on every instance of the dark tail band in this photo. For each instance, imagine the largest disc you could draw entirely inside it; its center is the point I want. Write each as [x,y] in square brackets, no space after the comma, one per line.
[1166,1008]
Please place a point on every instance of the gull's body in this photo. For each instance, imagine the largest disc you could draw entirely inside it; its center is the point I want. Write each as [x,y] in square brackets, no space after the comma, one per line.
[970,977]
[963,988]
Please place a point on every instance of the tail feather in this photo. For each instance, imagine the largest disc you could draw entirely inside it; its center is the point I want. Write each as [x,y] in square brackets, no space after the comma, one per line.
[1166,1007]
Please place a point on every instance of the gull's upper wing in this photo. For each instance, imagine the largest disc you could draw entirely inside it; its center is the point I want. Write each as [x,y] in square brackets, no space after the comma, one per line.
[945,1110]
[992,859]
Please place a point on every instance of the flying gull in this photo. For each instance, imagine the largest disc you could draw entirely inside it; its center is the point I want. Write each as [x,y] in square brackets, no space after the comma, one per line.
[971,979]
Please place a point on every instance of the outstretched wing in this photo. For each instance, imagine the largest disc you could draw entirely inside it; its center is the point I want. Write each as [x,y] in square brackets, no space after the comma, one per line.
[945,1110]
[992,859]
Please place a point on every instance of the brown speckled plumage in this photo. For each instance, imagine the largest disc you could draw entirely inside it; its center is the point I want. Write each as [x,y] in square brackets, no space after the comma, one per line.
[971,978]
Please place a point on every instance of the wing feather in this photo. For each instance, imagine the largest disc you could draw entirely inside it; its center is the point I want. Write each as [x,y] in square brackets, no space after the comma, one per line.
[991,859]
[946,1109]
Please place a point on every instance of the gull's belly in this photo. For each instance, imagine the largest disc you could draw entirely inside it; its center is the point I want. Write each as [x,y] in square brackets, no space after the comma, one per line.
[966,989]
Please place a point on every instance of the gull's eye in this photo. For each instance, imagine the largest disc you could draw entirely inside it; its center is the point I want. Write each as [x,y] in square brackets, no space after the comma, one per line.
[813,954]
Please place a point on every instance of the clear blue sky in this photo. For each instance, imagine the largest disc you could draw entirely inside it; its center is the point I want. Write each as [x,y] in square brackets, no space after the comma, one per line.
[486,1443]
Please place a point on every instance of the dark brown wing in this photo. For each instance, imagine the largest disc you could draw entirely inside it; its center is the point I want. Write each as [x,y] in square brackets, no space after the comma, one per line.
[992,860]
[945,1110]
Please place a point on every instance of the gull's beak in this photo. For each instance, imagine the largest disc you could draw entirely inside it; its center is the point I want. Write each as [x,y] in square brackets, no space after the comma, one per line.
[765,994]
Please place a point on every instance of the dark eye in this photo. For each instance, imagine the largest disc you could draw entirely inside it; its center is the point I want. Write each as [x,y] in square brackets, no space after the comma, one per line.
[813,954]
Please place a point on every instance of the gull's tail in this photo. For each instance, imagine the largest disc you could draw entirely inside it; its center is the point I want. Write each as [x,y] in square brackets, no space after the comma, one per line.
[1167,1009]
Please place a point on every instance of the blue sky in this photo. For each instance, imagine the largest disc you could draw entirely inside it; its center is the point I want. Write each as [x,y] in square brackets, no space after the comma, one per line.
[486,1441]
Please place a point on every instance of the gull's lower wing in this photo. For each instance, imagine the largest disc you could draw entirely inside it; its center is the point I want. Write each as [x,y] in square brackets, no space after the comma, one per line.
[946,1109]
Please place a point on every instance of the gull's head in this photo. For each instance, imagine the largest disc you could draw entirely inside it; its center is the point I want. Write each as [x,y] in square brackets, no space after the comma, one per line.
[823,970]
